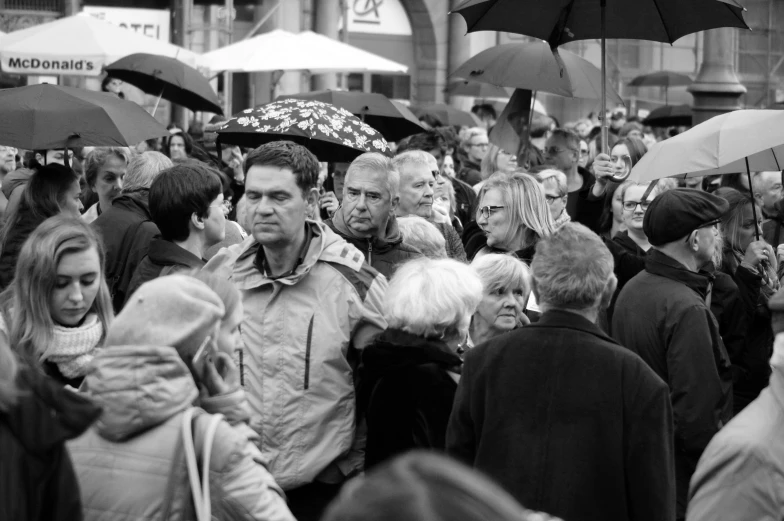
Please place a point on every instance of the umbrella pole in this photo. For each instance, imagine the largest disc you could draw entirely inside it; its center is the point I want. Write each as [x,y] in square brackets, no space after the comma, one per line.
[605,148]
[158,101]
[531,115]
[753,202]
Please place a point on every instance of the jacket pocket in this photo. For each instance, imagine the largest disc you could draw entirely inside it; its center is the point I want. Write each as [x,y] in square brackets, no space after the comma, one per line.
[307,352]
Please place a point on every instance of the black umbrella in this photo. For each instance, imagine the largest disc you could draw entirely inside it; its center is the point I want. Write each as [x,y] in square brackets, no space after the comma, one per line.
[331,133]
[477,90]
[664,79]
[167,78]
[447,115]
[563,21]
[393,121]
[669,116]
[44,117]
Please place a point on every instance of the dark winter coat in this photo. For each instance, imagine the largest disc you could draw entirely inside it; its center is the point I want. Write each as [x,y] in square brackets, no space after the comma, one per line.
[662,316]
[568,421]
[126,229]
[582,206]
[466,199]
[754,337]
[37,480]
[407,393]
[629,261]
[163,257]
[470,172]
[383,253]
[12,245]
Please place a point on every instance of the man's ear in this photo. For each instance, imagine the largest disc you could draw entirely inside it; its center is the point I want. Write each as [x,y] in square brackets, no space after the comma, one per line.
[197,222]
[312,197]
[395,201]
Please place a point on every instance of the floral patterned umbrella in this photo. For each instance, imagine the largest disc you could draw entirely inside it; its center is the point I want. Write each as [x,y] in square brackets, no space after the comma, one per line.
[330,132]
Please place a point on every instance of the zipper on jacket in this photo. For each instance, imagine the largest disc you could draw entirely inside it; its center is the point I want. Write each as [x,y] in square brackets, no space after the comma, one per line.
[370,252]
[307,353]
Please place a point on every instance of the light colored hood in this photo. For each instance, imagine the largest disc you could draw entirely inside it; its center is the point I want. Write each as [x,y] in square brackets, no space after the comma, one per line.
[138,387]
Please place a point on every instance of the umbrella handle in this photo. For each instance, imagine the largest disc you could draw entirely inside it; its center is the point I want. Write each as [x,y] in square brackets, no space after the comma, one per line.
[605,148]
[753,202]
[158,101]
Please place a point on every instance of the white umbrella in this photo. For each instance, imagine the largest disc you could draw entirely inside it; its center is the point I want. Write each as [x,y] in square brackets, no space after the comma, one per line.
[283,51]
[78,45]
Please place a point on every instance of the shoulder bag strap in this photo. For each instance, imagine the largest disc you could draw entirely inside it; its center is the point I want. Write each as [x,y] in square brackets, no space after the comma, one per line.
[201,494]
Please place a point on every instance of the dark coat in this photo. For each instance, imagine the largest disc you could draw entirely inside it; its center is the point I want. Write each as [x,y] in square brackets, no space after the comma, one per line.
[582,206]
[753,345]
[662,316]
[383,253]
[13,245]
[568,421]
[163,257]
[629,261]
[37,480]
[126,229]
[470,172]
[406,394]
[466,199]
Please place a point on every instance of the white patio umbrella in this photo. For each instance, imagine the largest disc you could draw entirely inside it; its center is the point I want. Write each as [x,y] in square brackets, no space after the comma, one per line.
[79,45]
[280,50]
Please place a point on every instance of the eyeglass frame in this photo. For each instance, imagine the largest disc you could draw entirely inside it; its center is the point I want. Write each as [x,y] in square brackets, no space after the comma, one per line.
[486,211]
[551,199]
[483,145]
[559,150]
[644,205]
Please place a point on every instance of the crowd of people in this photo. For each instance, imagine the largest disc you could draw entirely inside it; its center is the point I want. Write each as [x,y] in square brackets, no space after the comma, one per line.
[188,332]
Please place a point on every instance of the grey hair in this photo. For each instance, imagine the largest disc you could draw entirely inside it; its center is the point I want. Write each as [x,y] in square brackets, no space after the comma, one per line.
[501,272]
[98,157]
[471,133]
[418,233]
[377,163]
[553,177]
[143,169]
[572,269]
[432,298]
[413,157]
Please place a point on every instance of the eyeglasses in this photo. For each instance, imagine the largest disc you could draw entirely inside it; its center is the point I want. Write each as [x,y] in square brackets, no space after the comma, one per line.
[553,198]
[630,206]
[225,207]
[485,211]
[481,145]
[554,151]
[4,149]
[584,152]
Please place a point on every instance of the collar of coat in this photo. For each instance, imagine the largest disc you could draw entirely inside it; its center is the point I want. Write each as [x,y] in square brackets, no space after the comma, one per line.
[558,318]
[663,265]
[325,246]
[390,238]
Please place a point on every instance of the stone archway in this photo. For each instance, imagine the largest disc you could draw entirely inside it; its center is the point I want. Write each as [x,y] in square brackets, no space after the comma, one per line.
[430,59]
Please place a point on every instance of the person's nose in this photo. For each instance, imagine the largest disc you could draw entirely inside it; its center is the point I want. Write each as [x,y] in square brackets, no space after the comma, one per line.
[119,183]
[361,203]
[429,191]
[264,207]
[75,293]
[509,301]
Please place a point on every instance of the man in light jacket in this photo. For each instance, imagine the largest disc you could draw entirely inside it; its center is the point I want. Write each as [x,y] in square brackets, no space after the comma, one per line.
[741,473]
[311,302]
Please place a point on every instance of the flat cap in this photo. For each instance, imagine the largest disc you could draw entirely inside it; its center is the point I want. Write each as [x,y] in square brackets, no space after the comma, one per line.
[676,213]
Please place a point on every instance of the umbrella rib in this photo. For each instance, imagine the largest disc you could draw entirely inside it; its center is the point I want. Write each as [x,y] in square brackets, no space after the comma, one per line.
[664,24]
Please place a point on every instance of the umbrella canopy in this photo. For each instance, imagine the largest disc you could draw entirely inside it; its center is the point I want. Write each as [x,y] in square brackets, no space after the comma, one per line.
[670,116]
[661,79]
[283,51]
[477,90]
[720,145]
[445,114]
[394,122]
[78,45]
[168,78]
[532,66]
[563,21]
[43,117]
[331,133]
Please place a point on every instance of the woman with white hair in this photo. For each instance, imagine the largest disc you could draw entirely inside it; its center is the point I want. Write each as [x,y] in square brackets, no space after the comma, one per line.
[422,235]
[556,192]
[507,286]
[410,374]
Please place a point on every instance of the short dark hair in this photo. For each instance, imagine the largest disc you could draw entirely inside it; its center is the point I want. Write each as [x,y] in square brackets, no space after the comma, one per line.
[425,141]
[287,154]
[179,192]
[569,136]
[484,109]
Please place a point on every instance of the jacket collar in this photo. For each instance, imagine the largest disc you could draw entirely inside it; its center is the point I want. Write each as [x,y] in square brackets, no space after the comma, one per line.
[557,318]
[436,351]
[659,263]
[390,238]
[167,253]
[628,243]
[325,246]
[136,202]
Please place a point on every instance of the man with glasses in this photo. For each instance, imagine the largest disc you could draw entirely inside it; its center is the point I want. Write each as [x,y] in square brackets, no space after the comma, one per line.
[562,152]
[663,314]
[475,145]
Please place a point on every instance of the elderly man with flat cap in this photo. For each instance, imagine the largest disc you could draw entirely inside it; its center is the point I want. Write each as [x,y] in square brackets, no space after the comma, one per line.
[663,314]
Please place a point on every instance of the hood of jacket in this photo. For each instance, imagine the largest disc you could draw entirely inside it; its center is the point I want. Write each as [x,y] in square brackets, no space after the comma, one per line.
[47,414]
[138,387]
[15,179]
[325,246]
[166,253]
[390,239]
[136,202]
[663,265]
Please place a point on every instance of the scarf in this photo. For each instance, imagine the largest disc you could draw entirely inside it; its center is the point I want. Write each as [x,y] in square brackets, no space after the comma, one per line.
[561,220]
[73,348]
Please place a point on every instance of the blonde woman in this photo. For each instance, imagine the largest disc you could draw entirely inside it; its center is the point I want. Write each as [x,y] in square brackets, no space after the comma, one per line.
[556,193]
[496,160]
[58,308]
